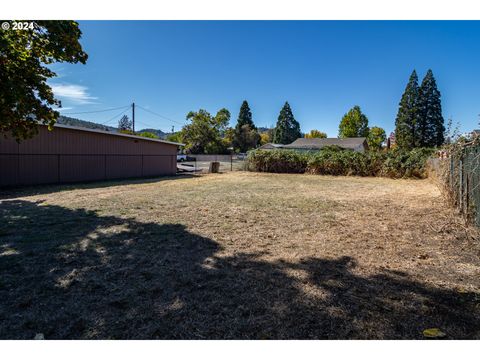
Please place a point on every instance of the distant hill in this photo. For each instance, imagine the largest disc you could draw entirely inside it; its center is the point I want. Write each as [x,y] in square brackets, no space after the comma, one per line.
[263,129]
[65,120]
[159,133]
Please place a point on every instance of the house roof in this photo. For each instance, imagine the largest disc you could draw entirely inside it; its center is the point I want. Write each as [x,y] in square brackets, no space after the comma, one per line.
[271,146]
[116,134]
[316,143]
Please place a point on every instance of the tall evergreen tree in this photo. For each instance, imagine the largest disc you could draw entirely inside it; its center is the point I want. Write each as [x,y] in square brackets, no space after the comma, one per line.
[431,125]
[245,135]
[245,116]
[287,129]
[407,116]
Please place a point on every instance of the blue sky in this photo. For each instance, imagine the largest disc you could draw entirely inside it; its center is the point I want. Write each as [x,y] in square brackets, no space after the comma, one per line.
[322,68]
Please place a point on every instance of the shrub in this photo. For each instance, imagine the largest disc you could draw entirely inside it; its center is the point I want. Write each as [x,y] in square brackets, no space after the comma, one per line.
[277,161]
[334,161]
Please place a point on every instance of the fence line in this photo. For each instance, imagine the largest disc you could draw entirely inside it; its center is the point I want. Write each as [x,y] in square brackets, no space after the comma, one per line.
[460,176]
[201,162]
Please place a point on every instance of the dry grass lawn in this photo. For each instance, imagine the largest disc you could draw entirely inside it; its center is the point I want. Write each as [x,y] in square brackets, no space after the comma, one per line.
[237,255]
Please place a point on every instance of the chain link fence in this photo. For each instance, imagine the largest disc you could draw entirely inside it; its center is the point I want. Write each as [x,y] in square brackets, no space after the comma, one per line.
[201,163]
[459,173]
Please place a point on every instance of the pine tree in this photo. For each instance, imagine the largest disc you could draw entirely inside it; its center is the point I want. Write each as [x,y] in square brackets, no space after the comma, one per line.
[431,125]
[245,116]
[407,116]
[124,124]
[287,129]
[245,135]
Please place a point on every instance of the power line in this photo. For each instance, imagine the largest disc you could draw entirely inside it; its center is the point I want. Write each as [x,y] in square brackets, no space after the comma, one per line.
[97,111]
[112,118]
[163,117]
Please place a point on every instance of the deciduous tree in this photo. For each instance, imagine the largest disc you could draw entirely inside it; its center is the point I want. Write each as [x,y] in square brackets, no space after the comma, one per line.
[376,137]
[316,134]
[353,124]
[204,133]
[25,97]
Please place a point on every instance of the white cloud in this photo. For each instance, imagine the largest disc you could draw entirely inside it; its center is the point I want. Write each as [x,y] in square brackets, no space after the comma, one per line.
[76,93]
[64,109]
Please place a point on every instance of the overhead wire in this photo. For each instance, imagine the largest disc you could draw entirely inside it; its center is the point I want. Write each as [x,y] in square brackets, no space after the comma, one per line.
[116,116]
[159,115]
[96,111]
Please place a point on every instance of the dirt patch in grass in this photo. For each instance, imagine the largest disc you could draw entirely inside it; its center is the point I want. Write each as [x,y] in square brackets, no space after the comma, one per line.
[237,256]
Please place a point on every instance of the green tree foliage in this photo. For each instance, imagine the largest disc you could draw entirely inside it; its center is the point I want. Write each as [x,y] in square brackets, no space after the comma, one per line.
[148,135]
[431,125]
[287,129]
[204,133]
[353,124]
[125,124]
[407,116]
[245,136]
[175,137]
[316,134]
[25,96]
[376,137]
[245,116]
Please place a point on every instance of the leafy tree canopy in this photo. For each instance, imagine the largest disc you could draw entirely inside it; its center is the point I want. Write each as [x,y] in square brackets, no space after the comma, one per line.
[265,138]
[204,133]
[287,129]
[148,135]
[245,138]
[25,96]
[316,134]
[353,124]
[376,137]
[175,137]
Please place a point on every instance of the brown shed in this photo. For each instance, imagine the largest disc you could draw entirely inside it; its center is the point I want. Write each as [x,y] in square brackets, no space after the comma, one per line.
[73,154]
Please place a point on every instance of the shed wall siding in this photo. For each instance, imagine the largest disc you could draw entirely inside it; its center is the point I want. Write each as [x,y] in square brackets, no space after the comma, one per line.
[68,155]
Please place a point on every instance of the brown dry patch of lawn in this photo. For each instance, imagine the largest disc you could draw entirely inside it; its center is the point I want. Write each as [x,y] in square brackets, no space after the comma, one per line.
[237,255]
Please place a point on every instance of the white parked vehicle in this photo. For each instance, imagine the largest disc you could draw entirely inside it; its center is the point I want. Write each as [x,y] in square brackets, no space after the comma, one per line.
[181,157]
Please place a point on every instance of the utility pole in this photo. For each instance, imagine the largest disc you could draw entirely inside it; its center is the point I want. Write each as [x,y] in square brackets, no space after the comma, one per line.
[133,117]
[173,129]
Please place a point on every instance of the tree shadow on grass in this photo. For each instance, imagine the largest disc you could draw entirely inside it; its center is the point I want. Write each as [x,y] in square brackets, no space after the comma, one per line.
[30,190]
[72,274]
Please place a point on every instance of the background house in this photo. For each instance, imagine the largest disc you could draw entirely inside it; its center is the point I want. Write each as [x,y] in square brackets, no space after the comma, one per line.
[270,146]
[356,144]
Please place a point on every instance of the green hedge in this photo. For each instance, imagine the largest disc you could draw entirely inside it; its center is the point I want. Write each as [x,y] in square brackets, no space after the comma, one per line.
[334,161]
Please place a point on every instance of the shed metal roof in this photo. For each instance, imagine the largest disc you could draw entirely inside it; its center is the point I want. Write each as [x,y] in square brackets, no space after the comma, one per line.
[116,134]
